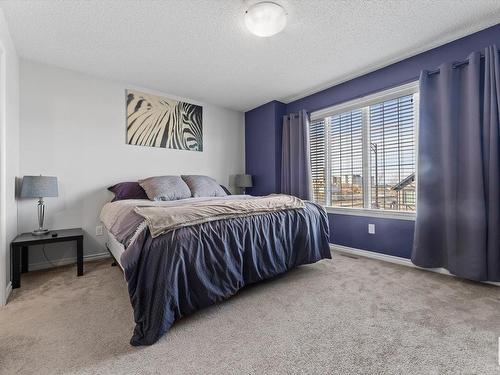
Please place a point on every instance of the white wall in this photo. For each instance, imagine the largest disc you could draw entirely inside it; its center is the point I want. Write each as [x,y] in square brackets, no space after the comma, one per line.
[73,127]
[9,151]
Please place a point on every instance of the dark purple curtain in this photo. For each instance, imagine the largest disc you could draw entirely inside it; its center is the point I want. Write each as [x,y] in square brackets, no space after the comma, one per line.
[295,162]
[458,198]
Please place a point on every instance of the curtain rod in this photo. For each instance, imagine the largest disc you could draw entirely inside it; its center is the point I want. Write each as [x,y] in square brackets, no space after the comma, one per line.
[455,65]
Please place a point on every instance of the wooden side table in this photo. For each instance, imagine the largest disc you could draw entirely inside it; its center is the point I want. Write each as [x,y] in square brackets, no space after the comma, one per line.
[20,244]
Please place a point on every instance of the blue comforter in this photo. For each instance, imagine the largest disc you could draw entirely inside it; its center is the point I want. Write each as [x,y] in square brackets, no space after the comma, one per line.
[187,269]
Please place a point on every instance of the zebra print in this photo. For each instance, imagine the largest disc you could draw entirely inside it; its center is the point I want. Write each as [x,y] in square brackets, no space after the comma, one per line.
[160,122]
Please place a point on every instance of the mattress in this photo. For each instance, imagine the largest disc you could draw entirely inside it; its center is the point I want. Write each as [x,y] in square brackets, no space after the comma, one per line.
[115,248]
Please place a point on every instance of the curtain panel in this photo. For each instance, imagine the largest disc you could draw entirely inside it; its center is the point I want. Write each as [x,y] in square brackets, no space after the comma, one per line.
[295,158]
[458,192]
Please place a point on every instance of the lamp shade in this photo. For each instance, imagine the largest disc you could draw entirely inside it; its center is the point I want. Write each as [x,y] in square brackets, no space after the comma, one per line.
[243,180]
[39,187]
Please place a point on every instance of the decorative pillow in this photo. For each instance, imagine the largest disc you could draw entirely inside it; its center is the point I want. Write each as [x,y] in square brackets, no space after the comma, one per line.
[203,186]
[226,190]
[165,188]
[127,190]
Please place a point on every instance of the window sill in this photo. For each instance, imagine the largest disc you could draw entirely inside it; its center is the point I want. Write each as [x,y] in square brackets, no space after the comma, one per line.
[384,214]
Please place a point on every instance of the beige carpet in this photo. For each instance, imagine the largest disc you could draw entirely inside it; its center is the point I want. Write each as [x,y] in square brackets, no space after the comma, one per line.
[345,316]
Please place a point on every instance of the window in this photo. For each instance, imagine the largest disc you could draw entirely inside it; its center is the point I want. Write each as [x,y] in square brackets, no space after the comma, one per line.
[317,140]
[363,152]
[346,162]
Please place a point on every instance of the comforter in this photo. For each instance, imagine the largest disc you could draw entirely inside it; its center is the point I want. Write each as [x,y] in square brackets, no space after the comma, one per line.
[182,270]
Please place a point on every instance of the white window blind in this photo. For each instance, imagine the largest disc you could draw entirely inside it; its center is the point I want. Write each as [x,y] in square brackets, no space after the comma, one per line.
[392,153]
[318,160]
[346,159]
[363,152]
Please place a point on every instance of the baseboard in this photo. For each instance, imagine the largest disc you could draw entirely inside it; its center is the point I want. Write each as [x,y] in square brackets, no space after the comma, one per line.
[392,259]
[8,291]
[65,261]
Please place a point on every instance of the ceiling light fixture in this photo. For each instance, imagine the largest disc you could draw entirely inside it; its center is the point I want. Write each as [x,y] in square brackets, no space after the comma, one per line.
[265,19]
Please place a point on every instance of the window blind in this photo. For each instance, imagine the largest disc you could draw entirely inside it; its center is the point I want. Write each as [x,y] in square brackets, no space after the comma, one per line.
[363,152]
[318,160]
[346,159]
[392,154]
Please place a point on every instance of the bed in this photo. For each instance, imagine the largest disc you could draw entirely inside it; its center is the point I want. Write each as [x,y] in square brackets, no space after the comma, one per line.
[181,256]
[115,248]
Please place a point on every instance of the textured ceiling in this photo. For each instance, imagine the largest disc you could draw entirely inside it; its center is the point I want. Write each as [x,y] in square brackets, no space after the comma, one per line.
[199,49]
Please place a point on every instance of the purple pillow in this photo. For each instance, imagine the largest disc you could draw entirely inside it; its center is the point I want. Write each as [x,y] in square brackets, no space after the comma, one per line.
[127,190]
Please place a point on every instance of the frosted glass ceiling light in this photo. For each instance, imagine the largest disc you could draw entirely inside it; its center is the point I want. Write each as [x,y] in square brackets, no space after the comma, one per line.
[265,19]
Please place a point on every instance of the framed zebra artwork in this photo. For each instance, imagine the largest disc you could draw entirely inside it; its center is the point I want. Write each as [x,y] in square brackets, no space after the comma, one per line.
[155,121]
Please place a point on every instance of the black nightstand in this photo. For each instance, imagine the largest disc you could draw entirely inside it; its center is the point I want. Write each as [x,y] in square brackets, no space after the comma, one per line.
[19,250]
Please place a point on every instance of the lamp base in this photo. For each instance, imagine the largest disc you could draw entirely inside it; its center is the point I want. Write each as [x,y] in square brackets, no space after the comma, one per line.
[40,232]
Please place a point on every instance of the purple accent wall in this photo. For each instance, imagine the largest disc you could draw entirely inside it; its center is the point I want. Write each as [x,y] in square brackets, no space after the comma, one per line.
[392,237]
[263,126]
[396,74]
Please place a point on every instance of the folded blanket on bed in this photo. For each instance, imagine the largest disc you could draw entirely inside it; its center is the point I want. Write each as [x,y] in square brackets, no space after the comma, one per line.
[163,219]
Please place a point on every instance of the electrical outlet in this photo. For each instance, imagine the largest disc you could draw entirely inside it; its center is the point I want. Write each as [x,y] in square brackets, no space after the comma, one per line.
[98,230]
[371,228]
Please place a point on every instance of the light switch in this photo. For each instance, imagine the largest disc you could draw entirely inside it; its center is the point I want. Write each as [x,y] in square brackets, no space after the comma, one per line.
[371,228]
[98,230]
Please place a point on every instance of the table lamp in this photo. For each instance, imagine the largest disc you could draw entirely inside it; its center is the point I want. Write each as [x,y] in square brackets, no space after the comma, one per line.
[243,181]
[39,187]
